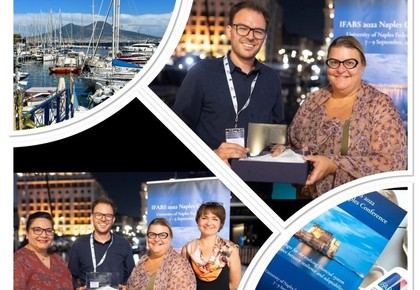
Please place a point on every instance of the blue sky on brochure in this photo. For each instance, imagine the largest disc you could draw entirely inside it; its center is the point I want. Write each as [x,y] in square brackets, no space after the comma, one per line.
[144,16]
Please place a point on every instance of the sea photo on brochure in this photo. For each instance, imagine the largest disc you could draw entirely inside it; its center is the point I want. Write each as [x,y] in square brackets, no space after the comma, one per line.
[337,249]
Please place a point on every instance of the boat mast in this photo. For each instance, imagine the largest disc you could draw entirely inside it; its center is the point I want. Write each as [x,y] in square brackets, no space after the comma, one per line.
[50,31]
[60,32]
[115,28]
[93,21]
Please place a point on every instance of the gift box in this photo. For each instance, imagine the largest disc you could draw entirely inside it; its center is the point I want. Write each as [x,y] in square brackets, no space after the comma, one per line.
[250,169]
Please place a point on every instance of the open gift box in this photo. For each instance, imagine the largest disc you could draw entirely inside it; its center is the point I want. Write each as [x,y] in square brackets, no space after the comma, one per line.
[287,167]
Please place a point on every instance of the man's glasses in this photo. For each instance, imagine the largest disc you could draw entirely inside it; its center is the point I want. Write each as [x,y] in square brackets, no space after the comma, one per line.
[348,63]
[162,236]
[243,30]
[38,231]
[100,215]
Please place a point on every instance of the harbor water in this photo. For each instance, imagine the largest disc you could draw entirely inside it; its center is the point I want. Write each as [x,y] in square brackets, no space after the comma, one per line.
[40,76]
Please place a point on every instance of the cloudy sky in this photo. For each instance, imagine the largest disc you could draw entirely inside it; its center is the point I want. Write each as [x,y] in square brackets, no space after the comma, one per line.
[144,16]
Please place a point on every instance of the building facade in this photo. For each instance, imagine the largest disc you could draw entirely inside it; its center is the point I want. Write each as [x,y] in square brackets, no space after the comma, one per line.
[205,29]
[66,195]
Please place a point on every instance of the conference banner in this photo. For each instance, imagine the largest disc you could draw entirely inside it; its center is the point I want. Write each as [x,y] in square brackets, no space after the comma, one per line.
[178,201]
[382,28]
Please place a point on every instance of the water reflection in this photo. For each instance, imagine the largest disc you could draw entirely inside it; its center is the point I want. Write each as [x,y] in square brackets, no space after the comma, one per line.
[318,266]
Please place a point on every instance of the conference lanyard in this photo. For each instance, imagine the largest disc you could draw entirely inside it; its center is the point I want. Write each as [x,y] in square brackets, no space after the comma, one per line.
[232,90]
[92,250]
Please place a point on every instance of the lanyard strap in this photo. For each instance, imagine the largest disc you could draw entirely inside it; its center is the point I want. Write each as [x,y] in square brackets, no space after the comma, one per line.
[232,90]
[92,250]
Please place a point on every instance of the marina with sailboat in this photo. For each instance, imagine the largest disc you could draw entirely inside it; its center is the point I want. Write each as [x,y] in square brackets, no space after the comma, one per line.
[90,70]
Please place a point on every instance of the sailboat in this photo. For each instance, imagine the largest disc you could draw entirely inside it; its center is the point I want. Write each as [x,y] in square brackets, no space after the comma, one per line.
[138,53]
[119,73]
[67,61]
[109,70]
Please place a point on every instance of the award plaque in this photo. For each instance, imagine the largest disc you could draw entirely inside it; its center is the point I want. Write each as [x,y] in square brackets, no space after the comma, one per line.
[102,280]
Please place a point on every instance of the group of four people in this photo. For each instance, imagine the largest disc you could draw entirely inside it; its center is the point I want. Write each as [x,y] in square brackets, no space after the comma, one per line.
[208,262]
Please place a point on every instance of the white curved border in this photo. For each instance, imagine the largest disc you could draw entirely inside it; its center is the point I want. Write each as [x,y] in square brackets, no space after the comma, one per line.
[122,98]
[209,158]
[253,275]
[347,186]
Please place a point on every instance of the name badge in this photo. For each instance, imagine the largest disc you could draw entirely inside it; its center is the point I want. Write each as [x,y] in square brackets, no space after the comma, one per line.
[94,283]
[235,135]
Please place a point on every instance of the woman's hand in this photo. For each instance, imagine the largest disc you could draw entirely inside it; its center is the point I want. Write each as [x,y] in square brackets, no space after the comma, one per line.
[277,149]
[322,166]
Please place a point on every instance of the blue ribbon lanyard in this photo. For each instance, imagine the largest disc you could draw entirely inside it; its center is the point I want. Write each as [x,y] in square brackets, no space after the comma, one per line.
[92,250]
[232,90]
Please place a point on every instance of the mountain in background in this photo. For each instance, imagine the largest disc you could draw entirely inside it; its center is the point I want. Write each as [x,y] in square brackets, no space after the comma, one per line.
[76,33]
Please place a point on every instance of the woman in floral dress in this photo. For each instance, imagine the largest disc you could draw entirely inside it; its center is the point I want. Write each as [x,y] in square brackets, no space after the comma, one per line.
[162,267]
[350,129]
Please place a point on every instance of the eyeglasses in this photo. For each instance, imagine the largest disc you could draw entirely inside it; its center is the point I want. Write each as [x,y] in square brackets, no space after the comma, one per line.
[348,63]
[100,215]
[38,231]
[243,30]
[162,236]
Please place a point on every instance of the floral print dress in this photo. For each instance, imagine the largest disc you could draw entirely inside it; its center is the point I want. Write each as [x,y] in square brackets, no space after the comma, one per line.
[174,273]
[377,139]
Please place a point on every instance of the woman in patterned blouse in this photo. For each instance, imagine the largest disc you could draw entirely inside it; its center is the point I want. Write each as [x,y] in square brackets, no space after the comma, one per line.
[161,268]
[350,129]
[33,266]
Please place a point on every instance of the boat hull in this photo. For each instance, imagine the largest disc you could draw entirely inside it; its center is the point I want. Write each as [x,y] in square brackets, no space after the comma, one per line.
[65,70]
